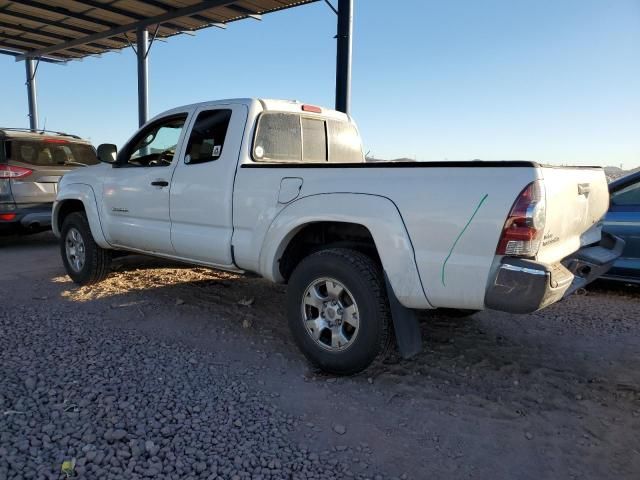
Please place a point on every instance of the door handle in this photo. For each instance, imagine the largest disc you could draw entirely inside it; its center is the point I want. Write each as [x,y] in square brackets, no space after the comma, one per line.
[160,183]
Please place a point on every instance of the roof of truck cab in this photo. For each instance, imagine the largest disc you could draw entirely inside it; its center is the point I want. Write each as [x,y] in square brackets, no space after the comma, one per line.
[266,104]
[296,106]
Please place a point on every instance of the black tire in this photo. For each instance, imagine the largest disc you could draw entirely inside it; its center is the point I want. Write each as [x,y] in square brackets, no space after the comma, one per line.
[364,281]
[97,260]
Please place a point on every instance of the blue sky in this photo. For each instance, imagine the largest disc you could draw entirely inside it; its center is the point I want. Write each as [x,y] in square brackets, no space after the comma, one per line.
[546,80]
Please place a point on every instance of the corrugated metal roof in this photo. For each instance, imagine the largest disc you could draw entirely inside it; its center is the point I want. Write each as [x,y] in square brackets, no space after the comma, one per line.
[71,29]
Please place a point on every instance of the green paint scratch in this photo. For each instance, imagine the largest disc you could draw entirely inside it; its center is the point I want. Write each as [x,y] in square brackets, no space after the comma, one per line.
[460,235]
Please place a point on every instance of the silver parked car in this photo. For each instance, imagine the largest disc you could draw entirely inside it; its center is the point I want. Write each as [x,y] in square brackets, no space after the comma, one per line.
[31,164]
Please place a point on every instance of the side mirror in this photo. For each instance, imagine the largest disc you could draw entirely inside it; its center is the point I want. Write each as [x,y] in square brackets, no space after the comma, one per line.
[107,153]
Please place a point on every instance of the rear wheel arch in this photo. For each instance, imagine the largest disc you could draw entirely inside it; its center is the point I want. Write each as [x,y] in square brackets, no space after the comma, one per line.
[313,237]
[373,220]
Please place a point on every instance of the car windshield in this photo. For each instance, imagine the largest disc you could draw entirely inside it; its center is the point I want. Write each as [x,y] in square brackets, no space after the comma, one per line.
[51,153]
[629,195]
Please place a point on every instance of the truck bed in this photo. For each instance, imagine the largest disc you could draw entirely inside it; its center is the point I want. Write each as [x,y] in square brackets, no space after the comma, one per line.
[453,212]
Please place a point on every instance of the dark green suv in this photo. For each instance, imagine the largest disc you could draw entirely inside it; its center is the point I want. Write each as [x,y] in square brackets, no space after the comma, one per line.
[31,164]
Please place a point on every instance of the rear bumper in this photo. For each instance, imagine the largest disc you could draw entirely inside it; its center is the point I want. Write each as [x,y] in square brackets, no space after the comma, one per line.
[524,286]
[30,217]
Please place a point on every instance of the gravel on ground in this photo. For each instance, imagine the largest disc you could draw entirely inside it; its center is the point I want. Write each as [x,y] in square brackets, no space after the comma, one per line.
[167,371]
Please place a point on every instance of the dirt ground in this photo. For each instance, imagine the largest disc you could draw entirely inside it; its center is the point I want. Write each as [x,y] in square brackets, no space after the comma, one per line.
[552,395]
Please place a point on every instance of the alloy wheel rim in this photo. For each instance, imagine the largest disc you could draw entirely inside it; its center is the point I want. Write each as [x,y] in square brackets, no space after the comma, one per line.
[330,314]
[75,249]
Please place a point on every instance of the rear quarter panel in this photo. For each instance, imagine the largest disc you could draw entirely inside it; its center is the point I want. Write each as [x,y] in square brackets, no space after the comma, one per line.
[454,249]
[455,217]
[378,214]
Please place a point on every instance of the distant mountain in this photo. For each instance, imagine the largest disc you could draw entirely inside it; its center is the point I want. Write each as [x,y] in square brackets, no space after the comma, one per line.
[615,172]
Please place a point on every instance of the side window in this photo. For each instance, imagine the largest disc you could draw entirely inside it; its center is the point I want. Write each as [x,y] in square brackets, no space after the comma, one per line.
[314,140]
[156,145]
[278,138]
[207,136]
[344,143]
[629,195]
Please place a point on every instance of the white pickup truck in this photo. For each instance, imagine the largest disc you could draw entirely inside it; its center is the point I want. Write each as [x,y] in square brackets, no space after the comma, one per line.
[282,189]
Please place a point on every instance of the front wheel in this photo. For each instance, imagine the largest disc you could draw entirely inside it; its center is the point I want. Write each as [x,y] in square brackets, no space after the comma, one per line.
[338,310]
[84,260]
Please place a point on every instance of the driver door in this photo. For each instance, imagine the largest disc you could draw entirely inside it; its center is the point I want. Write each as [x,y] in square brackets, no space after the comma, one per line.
[135,197]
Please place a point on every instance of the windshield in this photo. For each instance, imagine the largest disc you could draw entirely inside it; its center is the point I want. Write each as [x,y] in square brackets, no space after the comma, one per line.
[51,153]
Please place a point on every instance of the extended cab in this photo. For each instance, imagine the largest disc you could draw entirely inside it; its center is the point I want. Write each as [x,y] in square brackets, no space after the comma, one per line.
[282,189]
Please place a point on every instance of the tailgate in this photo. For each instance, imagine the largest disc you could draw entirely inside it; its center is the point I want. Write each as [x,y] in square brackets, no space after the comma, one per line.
[576,200]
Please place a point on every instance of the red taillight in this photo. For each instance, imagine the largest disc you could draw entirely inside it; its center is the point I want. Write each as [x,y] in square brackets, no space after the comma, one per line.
[7,217]
[524,227]
[311,108]
[9,171]
[55,140]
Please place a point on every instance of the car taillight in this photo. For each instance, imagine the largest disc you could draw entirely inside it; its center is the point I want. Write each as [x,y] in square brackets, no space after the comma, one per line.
[9,171]
[7,217]
[523,230]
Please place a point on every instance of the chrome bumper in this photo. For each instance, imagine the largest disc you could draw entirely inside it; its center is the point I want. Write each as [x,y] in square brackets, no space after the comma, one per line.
[524,286]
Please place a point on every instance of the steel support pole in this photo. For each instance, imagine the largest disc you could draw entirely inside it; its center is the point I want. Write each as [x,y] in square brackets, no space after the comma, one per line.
[142,50]
[343,55]
[31,93]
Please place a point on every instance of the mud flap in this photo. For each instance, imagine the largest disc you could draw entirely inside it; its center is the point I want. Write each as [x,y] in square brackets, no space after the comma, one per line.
[405,325]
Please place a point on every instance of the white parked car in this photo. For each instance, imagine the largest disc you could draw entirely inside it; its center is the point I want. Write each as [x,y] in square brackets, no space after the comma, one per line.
[282,189]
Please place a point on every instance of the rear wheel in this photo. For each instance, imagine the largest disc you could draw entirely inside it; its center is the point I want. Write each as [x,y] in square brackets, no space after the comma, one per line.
[338,310]
[84,260]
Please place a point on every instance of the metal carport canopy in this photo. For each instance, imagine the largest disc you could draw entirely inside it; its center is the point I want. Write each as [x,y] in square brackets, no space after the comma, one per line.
[63,30]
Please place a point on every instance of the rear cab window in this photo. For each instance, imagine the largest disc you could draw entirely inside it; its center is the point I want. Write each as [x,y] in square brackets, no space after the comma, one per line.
[344,142]
[50,152]
[292,137]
